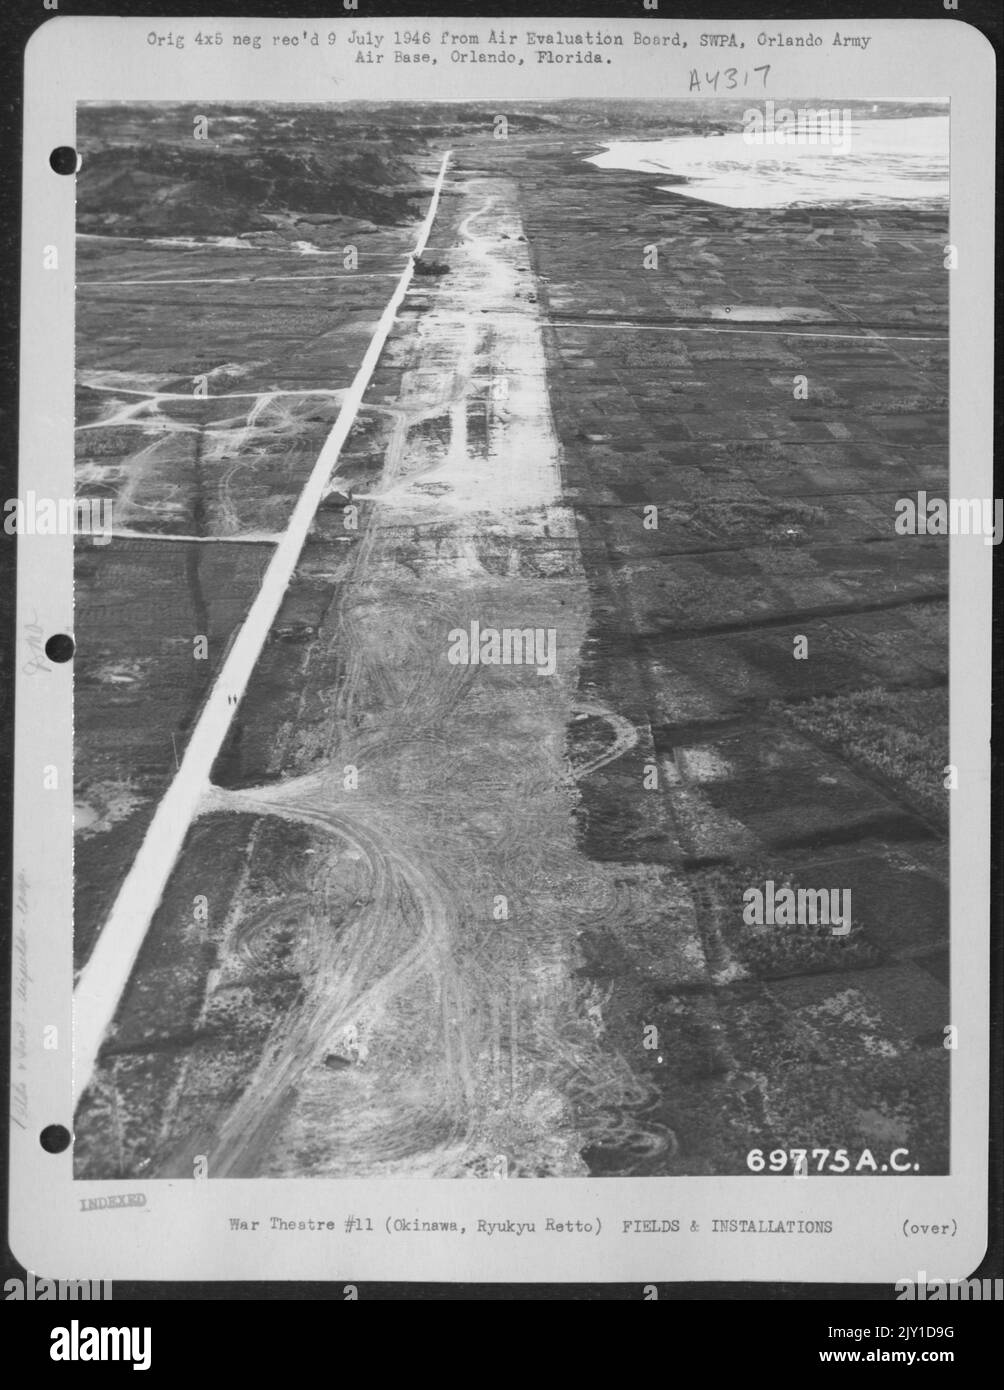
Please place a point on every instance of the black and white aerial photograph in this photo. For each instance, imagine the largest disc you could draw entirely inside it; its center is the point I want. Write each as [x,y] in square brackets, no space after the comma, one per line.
[511,691]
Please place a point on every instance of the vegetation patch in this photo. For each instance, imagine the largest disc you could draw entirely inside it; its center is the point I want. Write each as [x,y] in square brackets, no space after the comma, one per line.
[772,950]
[900,734]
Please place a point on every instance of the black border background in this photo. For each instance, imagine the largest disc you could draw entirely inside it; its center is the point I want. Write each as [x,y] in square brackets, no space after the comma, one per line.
[18,20]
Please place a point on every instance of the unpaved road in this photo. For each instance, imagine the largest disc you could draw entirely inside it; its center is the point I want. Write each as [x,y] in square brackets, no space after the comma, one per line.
[461,1040]
[106,974]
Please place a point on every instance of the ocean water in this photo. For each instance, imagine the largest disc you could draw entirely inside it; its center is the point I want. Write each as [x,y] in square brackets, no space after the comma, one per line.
[882,162]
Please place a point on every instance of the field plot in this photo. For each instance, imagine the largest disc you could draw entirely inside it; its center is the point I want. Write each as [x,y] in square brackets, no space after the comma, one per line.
[456,915]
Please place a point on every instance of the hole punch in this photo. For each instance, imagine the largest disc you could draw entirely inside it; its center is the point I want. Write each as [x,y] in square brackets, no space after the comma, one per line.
[64,160]
[59,647]
[54,1139]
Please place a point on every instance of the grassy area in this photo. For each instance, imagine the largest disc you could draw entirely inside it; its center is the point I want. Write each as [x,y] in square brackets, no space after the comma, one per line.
[773,950]
[756,518]
[900,734]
